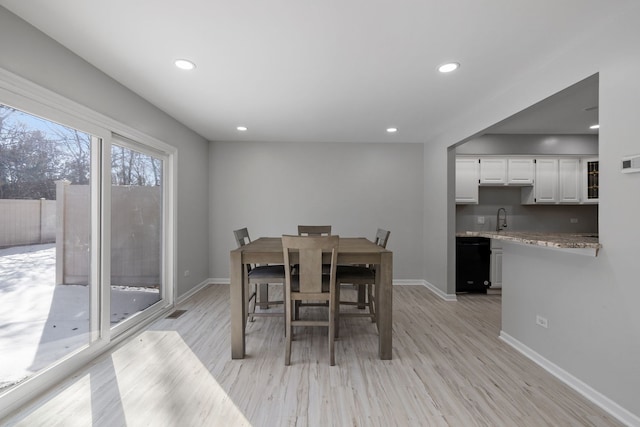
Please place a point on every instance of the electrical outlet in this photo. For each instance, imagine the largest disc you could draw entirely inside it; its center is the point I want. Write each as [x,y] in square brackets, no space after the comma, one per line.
[542,321]
[573,220]
[187,273]
[480,220]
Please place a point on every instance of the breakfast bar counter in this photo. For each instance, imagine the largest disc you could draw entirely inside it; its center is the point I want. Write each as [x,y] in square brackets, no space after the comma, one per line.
[585,243]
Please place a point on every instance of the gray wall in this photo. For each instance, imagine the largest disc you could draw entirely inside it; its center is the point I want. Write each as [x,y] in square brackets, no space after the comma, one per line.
[35,57]
[606,286]
[591,334]
[272,187]
[497,144]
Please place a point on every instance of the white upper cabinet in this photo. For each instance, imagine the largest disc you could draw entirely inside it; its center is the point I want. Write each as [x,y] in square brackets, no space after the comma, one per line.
[506,171]
[546,184]
[493,171]
[543,180]
[520,171]
[467,180]
[557,180]
[569,175]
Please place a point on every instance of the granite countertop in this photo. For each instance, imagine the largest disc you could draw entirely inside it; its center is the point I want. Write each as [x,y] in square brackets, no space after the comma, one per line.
[553,240]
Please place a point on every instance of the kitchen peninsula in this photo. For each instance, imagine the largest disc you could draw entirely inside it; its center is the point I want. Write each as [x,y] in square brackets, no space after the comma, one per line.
[585,243]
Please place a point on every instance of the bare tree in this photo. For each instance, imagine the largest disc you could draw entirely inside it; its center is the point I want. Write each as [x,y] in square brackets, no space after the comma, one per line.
[34,153]
[129,167]
[74,151]
[33,158]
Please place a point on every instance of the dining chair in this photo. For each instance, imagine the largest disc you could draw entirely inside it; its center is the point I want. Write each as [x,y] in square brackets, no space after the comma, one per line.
[260,276]
[364,279]
[309,283]
[314,230]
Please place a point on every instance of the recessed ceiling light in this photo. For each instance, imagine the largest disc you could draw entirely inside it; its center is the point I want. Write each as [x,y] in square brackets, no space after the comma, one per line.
[241,128]
[449,67]
[594,127]
[392,130]
[184,64]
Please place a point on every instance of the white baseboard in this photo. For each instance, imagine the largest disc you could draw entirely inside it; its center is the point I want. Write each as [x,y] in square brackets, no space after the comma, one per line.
[438,292]
[408,283]
[193,291]
[416,282]
[584,389]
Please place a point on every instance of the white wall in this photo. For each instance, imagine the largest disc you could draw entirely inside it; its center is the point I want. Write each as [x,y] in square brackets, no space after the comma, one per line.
[611,290]
[27,52]
[272,187]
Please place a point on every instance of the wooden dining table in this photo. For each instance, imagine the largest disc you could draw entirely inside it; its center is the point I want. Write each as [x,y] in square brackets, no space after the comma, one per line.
[352,250]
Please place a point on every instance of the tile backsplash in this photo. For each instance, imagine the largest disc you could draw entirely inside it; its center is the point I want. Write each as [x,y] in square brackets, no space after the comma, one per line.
[548,218]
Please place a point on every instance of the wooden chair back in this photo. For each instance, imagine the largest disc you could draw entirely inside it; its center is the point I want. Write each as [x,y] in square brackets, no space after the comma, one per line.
[314,230]
[310,250]
[242,236]
[382,236]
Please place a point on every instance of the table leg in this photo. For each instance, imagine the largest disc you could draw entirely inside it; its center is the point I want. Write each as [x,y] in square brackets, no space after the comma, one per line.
[238,306]
[384,304]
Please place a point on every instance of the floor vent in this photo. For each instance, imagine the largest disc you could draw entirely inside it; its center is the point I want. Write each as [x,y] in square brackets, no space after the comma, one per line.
[176,314]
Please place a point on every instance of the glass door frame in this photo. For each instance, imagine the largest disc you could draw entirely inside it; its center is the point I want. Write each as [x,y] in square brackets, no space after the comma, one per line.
[34,99]
[167,253]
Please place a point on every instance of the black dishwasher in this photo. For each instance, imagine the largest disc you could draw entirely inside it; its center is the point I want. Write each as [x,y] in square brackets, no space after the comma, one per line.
[473,262]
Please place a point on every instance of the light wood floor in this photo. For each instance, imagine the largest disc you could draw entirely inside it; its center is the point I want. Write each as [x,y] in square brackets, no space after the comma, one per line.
[449,369]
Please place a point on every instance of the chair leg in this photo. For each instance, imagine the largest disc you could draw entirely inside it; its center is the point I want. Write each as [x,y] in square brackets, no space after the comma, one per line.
[332,331]
[336,305]
[371,298]
[252,308]
[289,330]
[264,295]
[362,296]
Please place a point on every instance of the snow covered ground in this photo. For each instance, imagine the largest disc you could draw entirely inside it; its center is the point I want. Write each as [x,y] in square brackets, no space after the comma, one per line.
[41,322]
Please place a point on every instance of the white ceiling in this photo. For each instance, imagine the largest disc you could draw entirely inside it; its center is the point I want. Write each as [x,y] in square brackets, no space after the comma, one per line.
[324,70]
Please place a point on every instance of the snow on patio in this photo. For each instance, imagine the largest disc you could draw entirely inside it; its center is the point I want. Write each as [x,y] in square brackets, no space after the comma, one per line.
[41,322]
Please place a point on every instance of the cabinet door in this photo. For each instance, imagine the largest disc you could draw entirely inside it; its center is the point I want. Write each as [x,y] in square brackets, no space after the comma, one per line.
[520,171]
[546,185]
[569,180]
[466,180]
[493,171]
[590,180]
[496,268]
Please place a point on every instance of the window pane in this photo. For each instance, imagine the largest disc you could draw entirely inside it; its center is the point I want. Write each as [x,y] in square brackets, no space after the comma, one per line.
[136,232]
[45,251]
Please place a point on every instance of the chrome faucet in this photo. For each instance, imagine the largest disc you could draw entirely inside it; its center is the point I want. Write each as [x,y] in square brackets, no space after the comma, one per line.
[503,224]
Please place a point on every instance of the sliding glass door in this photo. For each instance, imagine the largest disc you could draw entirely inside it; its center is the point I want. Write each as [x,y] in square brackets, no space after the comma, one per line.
[85,236]
[137,224]
[48,286]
